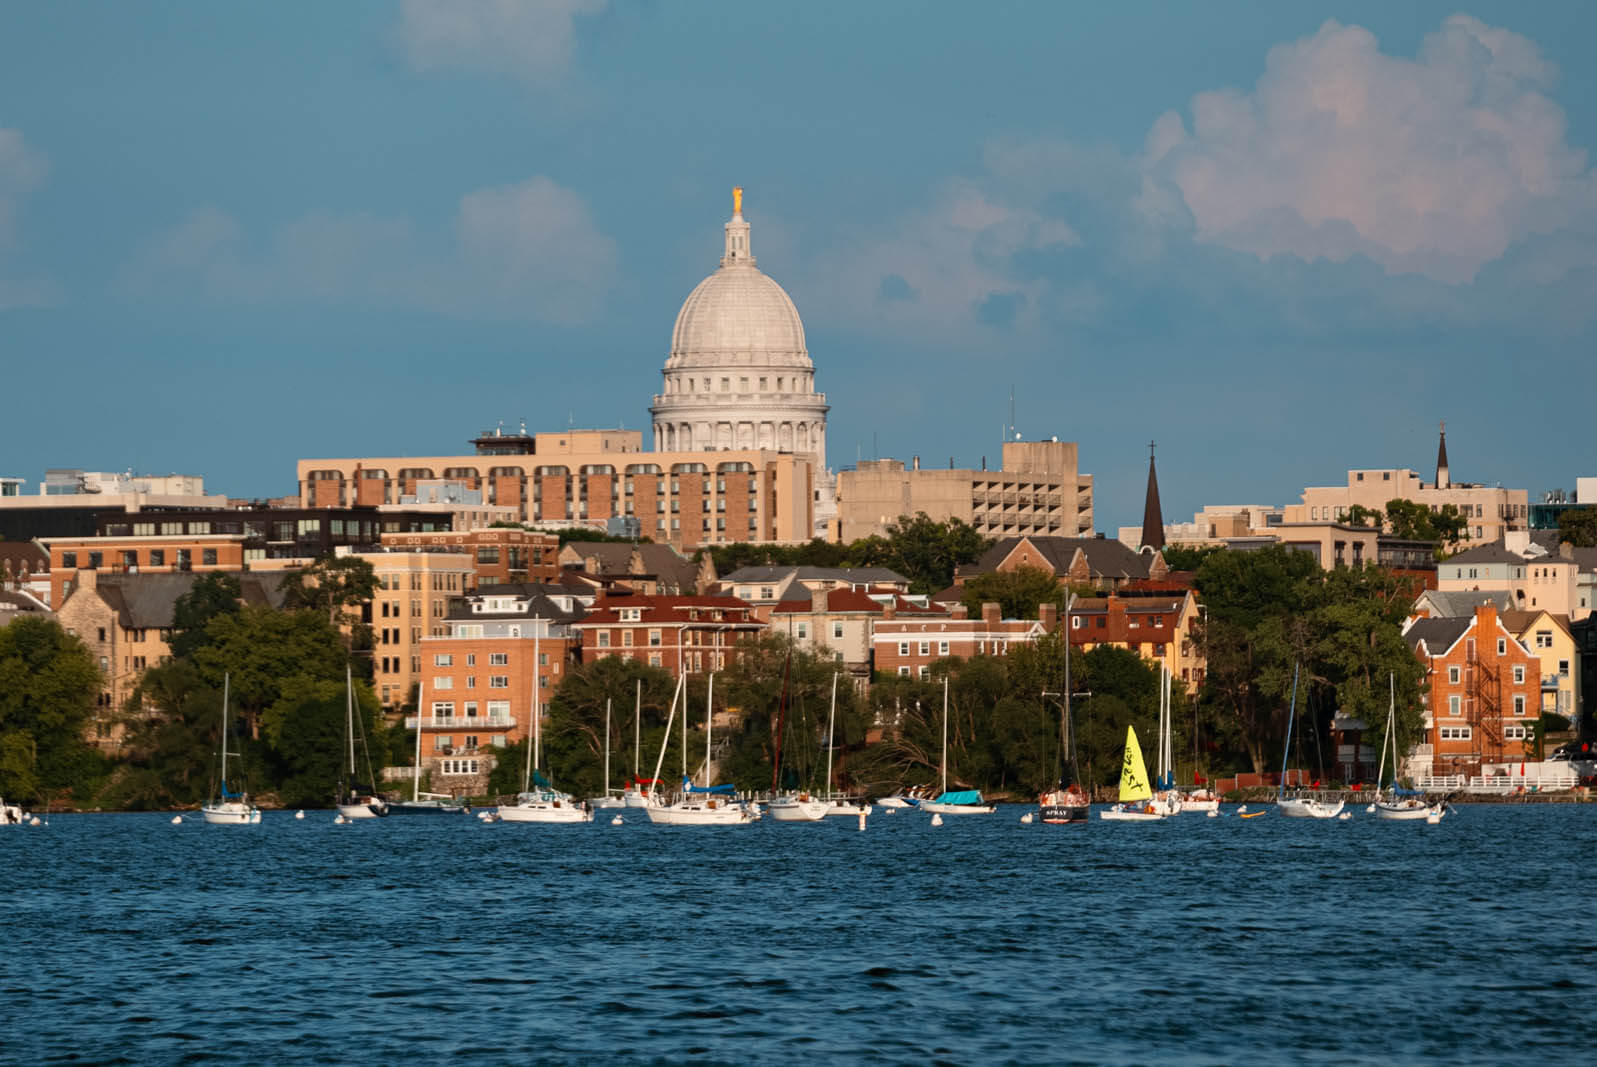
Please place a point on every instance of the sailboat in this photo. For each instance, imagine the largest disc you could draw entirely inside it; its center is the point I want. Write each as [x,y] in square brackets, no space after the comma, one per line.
[637,792]
[704,805]
[435,802]
[545,803]
[960,802]
[356,801]
[229,809]
[799,805]
[1169,795]
[1299,807]
[1136,798]
[612,798]
[1066,802]
[1400,804]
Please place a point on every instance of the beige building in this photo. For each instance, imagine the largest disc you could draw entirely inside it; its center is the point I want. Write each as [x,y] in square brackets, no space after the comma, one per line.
[1549,640]
[1038,490]
[585,477]
[1212,526]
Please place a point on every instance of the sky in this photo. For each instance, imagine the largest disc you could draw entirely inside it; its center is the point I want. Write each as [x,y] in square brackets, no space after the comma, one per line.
[1281,240]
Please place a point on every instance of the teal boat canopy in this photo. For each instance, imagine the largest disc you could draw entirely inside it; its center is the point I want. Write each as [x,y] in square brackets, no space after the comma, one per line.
[963,796]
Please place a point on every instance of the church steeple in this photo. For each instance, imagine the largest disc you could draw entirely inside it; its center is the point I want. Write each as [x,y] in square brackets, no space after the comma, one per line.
[1442,480]
[1152,517]
[737,235]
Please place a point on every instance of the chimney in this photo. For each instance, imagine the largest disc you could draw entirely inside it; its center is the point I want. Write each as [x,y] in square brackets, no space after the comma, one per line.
[959,612]
[890,608]
[916,462]
[1048,615]
[818,601]
[990,614]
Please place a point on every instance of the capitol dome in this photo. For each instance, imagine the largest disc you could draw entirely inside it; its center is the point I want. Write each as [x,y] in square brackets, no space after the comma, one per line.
[738,375]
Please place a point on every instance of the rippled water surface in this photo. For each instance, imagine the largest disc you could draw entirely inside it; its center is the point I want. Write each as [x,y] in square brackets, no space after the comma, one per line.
[1270,940]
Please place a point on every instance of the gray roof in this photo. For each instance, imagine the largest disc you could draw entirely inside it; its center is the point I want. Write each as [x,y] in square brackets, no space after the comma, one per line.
[1106,558]
[1455,605]
[614,558]
[146,601]
[855,575]
[1489,553]
[1439,635]
[538,604]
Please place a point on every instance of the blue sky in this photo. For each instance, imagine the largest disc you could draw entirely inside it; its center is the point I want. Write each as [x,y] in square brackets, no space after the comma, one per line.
[1280,239]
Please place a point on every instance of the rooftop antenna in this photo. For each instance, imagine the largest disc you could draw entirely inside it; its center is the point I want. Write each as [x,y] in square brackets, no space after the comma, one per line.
[1012,432]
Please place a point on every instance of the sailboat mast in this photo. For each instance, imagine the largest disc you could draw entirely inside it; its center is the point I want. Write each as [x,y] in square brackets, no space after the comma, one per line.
[1065,738]
[349,718]
[781,722]
[415,781]
[709,715]
[1286,749]
[606,746]
[225,680]
[665,739]
[831,723]
[537,718]
[945,733]
[637,728]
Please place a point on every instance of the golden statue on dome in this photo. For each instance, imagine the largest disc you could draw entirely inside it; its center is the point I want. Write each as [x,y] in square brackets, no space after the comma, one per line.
[737,199]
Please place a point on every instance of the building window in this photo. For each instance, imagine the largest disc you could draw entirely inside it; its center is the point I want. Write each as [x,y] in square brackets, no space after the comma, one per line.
[498,681]
[837,629]
[1519,706]
[1544,639]
[1502,646]
[903,650]
[443,659]
[925,648]
[208,557]
[1563,668]
[1453,674]
[69,559]
[925,671]
[942,648]
[157,557]
[626,638]
[604,638]
[1519,675]
[443,709]
[903,672]
[803,630]
[444,682]
[1455,733]
[1455,705]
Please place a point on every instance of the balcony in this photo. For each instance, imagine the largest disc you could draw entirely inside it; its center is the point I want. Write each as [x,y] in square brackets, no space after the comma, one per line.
[460,722]
[1549,683]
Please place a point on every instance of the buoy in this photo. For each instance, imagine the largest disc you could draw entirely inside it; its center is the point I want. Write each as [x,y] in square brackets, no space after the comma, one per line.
[617,821]
[1026,818]
[862,818]
[339,820]
[937,819]
[1344,815]
[176,819]
[1213,814]
[35,821]
[890,811]
[299,815]
[1241,808]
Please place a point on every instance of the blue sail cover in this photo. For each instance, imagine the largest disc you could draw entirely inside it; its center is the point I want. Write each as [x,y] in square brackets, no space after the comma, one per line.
[963,796]
[718,790]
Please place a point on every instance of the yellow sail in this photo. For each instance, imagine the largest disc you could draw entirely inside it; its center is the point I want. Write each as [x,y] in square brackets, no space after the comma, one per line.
[1133,775]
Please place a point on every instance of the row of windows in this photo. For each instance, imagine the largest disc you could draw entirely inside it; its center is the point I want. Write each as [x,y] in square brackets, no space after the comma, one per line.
[458,766]
[495,659]
[1455,733]
[1455,706]
[802,631]
[183,559]
[498,710]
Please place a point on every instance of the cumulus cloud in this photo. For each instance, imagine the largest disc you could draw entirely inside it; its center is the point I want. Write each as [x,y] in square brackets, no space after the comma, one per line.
[530,39]
[22,170]
[1432,165]
[527,251]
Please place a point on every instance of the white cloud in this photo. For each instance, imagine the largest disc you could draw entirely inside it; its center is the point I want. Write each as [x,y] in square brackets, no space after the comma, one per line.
[530,39]
[527,251]
[22,170]
[1432,165]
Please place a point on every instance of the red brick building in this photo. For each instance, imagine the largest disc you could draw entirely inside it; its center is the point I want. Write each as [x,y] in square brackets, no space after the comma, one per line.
[500,555]
[909,646]
[1484,691]
[683,634]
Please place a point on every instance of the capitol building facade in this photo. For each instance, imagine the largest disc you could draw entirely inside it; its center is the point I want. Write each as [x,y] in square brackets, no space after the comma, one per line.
[739,437]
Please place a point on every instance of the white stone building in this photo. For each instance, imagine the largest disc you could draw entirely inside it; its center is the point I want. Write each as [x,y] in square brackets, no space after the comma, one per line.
[739,375]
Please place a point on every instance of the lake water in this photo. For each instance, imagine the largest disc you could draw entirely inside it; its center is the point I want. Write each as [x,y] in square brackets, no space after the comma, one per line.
[1270,940]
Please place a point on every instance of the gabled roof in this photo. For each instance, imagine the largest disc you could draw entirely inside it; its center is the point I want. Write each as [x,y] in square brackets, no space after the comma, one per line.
[614,558]
[1518,622]
[1141,605]
[1106,558]
[1437,635]
[534,600]
[1489,553]
[673,610]
[852,575]
[1462,604]
[840,601]
[147,601]
[16,604]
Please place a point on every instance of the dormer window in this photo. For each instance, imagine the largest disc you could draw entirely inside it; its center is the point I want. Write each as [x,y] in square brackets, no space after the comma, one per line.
[631,614]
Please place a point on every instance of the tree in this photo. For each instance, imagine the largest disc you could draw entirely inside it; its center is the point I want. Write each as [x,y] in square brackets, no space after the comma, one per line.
[213,594]
[924,551]
[1578,527]
[1359,515]
[1017,592]
[333,586]
[1415,522]
[1187,557]
[573,731]
[48,683]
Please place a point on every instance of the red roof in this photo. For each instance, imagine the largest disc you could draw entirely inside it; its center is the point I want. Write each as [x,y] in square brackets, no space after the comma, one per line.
[672,610]
[844,600]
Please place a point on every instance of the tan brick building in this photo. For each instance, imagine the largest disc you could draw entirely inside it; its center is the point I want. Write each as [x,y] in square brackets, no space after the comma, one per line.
[499,555]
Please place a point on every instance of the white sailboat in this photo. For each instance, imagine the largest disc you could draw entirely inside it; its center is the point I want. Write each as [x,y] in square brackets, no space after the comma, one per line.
[1299,807]
[545,804]
[698,806]
[356,801]
[612,798]
[435,802]
[1136,797]
[230,808]
[1395,805]
[961,802]
[636,794]
[802,806]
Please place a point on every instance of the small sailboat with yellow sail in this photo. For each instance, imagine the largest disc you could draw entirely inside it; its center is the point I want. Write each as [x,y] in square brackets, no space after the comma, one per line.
[1136,796]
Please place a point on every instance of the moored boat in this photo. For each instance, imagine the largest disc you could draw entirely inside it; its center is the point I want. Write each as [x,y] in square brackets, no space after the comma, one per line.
[1136,796]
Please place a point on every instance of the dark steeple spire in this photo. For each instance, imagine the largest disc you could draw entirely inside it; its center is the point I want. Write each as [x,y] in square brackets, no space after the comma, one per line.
[1152,517]
[1442,481]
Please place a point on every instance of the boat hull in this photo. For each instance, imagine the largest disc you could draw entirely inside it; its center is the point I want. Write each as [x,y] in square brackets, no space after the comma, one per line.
[545,813]
[792,809]
[1057,814]
[231,814]
[1405,812]
[425,807]
[936,808]
[700,815]
[1123,814]
[1305,808]
[364,810]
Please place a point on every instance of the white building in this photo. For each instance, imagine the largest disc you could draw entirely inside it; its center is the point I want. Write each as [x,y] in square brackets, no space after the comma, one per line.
[739,375]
